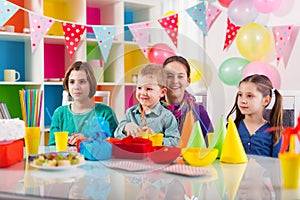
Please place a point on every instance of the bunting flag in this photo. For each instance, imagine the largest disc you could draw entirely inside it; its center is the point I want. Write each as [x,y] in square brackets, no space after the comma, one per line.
[170,24]
[231,33]
[141,33]
[212,14]
[198,14]
[7,10]
[39,26]
[104,36]
[282,36]
[73,34]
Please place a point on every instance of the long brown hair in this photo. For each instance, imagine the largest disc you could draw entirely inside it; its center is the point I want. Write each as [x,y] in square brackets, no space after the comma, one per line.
[265,87]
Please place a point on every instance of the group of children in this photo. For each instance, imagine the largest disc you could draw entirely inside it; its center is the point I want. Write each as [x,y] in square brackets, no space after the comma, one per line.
[163,105]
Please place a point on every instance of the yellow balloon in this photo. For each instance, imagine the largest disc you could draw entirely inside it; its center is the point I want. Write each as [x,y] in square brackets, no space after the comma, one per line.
[196,70]
[253,41]
[172,12]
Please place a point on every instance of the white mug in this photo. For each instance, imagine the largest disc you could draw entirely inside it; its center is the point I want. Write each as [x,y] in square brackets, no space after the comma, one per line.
[11,75]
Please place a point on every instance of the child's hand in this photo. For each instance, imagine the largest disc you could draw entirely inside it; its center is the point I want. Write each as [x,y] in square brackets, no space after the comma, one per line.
[132,129]
[147,129]
[74,137]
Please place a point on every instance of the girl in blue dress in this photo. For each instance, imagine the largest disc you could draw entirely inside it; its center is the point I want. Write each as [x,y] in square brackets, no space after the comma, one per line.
[259,136]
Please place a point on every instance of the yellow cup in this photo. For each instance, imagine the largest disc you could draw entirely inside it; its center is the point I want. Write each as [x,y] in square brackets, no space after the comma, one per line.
[144,135]
[61,140]
[157,139]
[32,139]
[290,169]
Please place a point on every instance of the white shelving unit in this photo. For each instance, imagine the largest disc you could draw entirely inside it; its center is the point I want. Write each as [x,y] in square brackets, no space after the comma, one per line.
[35,66]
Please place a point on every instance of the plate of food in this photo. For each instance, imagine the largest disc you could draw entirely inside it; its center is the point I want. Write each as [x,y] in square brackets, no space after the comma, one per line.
[57,161]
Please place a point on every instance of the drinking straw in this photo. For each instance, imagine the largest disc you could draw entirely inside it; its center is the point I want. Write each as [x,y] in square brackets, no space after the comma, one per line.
[21,94]
[40,103]
[31,103]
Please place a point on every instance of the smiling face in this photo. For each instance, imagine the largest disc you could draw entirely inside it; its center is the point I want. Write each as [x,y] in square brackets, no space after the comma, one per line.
[148,91]
[79,86]
[250,101]
[177,81]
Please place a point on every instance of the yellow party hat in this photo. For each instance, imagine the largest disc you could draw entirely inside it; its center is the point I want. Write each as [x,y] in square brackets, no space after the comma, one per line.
[218,136]
[233,175]
[186,130]
[196,139]
[233,150]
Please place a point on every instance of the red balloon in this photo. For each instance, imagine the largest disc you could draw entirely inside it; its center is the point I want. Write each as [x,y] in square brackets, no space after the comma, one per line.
[225,3]
[158,53]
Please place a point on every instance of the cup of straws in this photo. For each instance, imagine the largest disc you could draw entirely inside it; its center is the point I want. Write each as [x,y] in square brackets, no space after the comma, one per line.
[31,106]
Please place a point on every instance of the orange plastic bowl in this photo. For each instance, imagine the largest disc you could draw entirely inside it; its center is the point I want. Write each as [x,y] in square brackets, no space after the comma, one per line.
[164,154]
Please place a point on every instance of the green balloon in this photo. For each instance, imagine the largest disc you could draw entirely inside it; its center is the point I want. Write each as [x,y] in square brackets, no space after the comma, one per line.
[231,70]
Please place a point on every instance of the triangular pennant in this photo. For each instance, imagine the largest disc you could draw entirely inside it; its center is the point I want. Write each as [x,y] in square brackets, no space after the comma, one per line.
[212,14]
[170,24]
[218,136]
[186,130]
[7,10]
[233,175]
[73,34]
[196,139]
[197,13]
[231,33]
[290,45]
[233,150]
[39,26]
[282,37]
[104,36]
[141,32]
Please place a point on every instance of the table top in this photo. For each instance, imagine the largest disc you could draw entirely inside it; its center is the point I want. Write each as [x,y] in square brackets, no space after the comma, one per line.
[260,178]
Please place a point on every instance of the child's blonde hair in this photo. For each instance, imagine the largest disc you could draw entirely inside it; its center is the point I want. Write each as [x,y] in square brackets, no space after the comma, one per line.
[155,71]
[265,87]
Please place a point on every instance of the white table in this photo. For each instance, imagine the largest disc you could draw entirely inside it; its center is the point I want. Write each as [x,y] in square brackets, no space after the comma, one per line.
[260,178]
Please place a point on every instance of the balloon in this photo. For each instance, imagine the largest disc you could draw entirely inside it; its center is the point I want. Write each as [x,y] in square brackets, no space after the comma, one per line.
[196,70]
[242,12]
[253,41]
[225,3]
[265,69]
[231,70]
[158,53]
[267,6]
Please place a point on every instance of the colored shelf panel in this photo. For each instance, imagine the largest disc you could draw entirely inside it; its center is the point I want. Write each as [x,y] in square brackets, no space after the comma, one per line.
[8,59]
[54,55]
[133,60]
[53,99]
[130,98]
[10,95]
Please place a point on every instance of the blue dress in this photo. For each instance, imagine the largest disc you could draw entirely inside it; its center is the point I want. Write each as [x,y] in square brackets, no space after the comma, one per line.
[260,143]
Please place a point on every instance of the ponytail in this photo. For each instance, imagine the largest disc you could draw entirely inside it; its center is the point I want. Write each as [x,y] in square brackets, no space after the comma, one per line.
[276,116]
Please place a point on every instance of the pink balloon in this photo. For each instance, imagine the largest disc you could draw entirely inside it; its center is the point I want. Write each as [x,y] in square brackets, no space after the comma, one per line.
[264,69]
[158,53]
[267,6]
[242,12]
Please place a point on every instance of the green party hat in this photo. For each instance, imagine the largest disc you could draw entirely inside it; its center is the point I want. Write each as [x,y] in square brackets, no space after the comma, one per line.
[196,139]
[218,136]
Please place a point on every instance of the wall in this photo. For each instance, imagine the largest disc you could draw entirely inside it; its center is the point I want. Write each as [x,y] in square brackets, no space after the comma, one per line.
[221,96]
